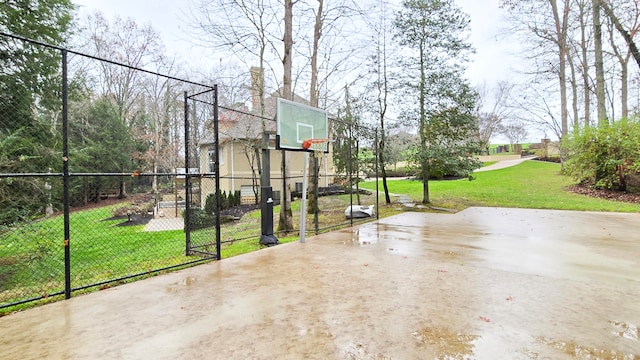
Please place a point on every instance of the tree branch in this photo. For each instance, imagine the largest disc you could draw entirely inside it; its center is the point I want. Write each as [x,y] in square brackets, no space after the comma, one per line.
[625,34]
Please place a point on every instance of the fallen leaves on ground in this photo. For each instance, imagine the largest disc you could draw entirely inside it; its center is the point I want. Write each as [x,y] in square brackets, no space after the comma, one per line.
[605,194]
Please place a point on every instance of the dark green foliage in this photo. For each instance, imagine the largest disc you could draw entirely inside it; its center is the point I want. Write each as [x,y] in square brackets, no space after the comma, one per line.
[436,95]
[99,142]
[224,201]
[605,156]
[210,204]
[199,219]
[29,103]
[238,198]
[450,149]
[231,199]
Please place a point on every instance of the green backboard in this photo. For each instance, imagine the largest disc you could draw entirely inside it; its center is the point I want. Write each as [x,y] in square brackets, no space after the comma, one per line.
[298,122]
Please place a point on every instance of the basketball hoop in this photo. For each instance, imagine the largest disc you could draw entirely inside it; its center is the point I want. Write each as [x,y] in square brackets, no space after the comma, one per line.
[315,145]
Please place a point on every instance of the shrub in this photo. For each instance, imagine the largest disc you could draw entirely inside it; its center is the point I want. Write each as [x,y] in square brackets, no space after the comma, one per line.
[238,198]
[224,201]
[605,156]
[210,204]
[199,219]
[231,199]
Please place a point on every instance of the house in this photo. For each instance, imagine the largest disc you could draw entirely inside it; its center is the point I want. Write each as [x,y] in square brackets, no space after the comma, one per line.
[240,137]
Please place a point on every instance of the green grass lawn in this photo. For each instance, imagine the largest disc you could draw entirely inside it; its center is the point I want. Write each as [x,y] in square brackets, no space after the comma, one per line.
[32,256]
[532,184]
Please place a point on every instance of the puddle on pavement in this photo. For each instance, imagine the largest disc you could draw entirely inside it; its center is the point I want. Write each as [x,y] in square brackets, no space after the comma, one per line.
[585,352]
[449,345]
[624,330]
[188,281]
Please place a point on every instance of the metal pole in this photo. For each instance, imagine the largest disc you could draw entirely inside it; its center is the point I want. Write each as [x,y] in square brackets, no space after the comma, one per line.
[216,168]
[266,196]
[316,177]
[377,186]
[66,178]
[303,204]
[350,176]
[187,211]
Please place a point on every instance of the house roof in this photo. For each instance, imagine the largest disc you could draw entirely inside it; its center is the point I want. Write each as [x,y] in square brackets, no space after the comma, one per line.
[241,123]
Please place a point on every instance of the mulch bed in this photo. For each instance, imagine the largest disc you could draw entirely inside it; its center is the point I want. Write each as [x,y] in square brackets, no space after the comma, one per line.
[605,194]
[238,211]
[135,220]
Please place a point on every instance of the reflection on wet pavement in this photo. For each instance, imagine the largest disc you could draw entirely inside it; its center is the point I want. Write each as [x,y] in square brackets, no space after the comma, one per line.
[450,345]
[586,352]
[480,284]
[625,330]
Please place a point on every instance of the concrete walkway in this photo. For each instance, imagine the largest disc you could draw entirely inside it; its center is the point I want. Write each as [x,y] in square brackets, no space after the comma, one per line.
[504,164]
[484,283]
[164,224]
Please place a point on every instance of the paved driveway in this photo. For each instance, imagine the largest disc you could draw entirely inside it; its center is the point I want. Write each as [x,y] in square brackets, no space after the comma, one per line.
[485,283]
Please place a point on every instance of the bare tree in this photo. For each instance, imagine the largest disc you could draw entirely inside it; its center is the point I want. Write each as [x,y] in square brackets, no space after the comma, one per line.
[493,109]
[533,17]
[627,35]
[382,89]
[584,51]
[286,215]
[159,101]
[623,53]
[516,132]
[124,41]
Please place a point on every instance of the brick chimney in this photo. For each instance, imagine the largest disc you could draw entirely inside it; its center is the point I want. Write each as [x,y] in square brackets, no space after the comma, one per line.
[257,87]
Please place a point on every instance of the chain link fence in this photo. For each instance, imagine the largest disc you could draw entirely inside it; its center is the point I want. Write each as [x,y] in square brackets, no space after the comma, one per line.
[109,172]
[333,185]
[99,169]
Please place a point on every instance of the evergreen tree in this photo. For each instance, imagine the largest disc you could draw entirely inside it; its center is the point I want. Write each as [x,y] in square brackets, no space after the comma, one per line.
[432,34]
[29,101]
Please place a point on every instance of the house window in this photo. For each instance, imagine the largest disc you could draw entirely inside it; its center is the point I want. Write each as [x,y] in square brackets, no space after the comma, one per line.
[211,158]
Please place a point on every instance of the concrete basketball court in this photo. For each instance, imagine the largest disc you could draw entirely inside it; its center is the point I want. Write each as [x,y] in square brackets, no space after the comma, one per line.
[485,283]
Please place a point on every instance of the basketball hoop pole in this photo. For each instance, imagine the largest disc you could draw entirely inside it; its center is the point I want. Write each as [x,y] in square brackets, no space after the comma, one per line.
[315,145]
[303,205]
[266,197]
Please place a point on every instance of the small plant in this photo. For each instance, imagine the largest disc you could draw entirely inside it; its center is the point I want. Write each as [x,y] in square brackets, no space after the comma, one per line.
[210,204]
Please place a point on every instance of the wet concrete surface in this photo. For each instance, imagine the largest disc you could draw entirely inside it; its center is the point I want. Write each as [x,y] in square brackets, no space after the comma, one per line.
[485,283]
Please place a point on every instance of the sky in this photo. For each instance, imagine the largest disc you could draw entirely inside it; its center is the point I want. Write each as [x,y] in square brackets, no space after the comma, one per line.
[493,61]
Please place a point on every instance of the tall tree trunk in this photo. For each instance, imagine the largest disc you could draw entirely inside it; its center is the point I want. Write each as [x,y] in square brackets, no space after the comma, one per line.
[623,60]
[312,201]
[424,163]
[561,24]
[624,84]
[574,90]
[586,83]
[600,84]
[383,93]
[286,222]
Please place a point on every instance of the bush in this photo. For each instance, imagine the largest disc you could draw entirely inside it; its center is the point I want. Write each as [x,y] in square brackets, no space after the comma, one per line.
[224,201]
[606,156]
[199,219]
[238,198]
[231,199]
[210,204]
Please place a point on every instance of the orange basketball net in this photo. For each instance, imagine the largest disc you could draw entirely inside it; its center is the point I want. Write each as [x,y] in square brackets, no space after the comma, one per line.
[315,144]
